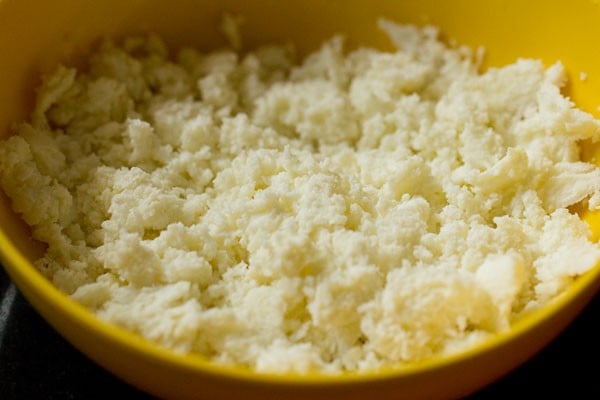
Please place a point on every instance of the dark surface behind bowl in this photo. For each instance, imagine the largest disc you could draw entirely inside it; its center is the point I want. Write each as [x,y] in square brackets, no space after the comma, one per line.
[36,363]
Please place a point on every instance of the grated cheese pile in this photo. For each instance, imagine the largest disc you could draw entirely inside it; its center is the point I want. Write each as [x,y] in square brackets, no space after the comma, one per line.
[356,210]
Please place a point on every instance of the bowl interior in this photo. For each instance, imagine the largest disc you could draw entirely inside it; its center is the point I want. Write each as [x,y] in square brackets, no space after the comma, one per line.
[550,30]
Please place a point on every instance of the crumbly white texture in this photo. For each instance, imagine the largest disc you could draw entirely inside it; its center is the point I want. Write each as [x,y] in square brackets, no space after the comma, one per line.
[357,210]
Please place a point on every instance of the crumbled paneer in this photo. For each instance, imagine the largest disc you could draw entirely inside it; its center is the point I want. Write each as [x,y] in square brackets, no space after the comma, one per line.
[359,209]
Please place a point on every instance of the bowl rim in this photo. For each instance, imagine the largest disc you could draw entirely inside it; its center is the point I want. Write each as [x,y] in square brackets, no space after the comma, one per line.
[23,270]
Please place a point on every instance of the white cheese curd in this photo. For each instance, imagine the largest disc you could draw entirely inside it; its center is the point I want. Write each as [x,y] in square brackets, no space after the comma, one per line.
[359,209]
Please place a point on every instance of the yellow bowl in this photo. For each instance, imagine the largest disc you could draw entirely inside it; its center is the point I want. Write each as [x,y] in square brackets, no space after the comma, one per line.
[35,35]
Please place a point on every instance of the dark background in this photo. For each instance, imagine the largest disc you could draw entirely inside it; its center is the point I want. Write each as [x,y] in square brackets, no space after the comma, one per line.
[36,363]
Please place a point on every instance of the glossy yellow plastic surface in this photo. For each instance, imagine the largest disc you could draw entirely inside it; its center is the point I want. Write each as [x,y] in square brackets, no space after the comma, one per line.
[35,35]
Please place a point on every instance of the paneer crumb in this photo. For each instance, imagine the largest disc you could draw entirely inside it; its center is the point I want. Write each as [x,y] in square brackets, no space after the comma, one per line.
[354,210]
